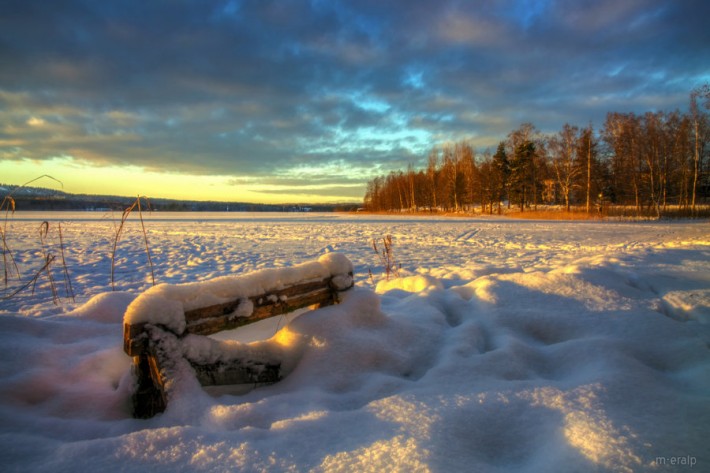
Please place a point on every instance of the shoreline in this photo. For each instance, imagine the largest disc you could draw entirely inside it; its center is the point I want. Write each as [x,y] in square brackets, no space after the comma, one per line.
[611,214]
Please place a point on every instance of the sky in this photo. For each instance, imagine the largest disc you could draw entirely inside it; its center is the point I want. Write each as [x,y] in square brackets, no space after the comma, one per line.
[306,101]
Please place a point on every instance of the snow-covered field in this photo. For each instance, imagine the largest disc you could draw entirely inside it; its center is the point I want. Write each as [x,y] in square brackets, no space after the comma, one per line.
[505,346]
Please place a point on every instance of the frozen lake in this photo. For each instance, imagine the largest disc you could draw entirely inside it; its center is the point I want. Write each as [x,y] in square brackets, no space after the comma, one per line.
[195,246]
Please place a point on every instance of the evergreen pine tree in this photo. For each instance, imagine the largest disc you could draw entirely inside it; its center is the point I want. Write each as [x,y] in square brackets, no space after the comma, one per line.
[501,167]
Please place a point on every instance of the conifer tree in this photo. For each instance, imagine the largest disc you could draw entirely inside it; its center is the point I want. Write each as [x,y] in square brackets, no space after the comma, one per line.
[501,167]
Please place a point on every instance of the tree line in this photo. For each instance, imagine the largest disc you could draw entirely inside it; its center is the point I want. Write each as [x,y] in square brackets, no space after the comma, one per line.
[649,161]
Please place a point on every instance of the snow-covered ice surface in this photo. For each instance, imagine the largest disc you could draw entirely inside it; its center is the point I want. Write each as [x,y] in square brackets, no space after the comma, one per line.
[505,346]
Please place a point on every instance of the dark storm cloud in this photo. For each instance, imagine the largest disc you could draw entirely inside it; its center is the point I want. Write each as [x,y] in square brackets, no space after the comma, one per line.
[253,88]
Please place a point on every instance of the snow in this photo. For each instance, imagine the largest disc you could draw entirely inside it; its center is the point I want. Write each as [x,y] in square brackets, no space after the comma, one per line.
[504,346]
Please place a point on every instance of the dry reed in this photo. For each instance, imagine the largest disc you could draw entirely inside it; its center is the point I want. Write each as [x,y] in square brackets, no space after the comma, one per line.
[614,212]
[49,258]
[11,268]
[33,281]
[8,207]
[67,280]
[119,231]
[386,257]
[554,215]
[43,233]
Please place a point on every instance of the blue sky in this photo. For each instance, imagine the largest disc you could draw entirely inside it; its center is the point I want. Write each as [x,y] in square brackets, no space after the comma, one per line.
[305,101]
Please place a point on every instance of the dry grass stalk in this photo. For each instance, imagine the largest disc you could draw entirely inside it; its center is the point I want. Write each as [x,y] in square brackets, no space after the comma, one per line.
[8,206]
[386,256]
[43,232]
[67,280]
[46,268]
[32,282]
[49,259]
[614,212]
[554,215]
[119,231]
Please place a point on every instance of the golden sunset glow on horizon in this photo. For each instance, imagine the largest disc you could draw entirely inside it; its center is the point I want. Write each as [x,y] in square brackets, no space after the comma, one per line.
[129,181]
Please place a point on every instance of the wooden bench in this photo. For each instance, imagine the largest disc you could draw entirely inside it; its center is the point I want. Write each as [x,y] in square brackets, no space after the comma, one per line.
[157,323]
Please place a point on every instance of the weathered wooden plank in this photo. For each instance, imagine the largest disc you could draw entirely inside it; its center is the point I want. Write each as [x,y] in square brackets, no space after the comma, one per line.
[267,308]
[223,373]
[230,307]
[321,297]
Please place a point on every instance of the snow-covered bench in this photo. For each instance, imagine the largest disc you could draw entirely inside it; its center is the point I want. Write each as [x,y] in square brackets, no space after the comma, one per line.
[161,325]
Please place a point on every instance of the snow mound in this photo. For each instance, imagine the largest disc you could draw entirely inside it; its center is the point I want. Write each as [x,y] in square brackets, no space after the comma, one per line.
[549,347]
[108,307]
[693,304]
[415,283]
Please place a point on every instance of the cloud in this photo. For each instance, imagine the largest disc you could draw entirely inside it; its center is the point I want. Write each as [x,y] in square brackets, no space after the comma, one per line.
[260,89]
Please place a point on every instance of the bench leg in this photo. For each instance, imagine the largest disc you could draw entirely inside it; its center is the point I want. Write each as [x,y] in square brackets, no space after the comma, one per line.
[148,398]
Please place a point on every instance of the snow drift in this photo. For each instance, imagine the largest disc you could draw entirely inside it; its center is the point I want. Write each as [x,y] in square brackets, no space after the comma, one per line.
[536,353]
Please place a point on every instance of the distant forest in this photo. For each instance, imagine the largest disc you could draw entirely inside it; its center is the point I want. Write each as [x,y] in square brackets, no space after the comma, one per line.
[649,162]
[28,198]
